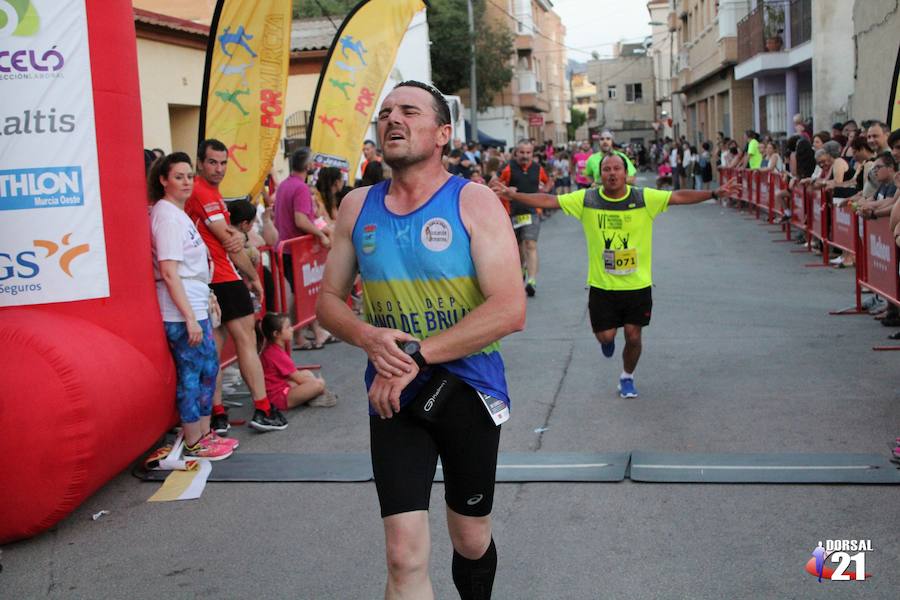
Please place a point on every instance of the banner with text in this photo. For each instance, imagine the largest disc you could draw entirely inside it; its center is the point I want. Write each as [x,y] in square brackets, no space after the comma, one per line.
[359,62]
[51,221]
[244,88]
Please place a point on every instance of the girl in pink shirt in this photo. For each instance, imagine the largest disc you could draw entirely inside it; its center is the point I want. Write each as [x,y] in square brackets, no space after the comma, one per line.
[286,385]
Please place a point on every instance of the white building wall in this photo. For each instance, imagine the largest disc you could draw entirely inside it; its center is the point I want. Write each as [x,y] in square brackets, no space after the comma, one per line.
[832,65]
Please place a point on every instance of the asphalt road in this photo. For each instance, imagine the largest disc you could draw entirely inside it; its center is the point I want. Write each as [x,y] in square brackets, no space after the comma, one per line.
[741,357]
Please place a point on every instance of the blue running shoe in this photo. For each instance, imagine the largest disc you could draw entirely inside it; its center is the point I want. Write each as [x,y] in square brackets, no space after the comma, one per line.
[608,349]
[626,388]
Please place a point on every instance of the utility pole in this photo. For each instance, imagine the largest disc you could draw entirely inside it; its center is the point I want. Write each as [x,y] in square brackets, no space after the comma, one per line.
[473,87]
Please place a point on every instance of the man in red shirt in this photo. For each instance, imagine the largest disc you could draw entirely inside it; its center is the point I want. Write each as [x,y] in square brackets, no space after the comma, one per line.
[226,248]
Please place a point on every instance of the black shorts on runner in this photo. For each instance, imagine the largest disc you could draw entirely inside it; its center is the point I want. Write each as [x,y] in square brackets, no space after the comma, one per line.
[614,309]
[405,452]
[234,299]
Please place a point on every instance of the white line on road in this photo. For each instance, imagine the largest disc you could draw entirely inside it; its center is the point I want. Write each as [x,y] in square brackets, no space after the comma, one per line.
[759,467]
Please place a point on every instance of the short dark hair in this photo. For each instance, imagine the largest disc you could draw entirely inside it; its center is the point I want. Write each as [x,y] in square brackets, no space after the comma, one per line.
[860,143]
[837,125]
[611,155]
[882,124]
[205,145]
[888,159]
[439,103]
[241,211]
[300,159]
[893,138]
[368,143]
[161,168]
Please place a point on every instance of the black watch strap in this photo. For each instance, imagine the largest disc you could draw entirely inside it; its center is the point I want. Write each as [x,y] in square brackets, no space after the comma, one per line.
[419,359]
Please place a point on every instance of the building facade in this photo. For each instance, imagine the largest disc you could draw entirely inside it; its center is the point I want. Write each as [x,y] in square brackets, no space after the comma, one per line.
[534,104]
[625,93]
[714,100]
[584,100]
[775,54]
[661,52]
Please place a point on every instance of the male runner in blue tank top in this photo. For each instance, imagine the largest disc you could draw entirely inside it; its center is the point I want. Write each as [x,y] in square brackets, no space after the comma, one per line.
[439,265]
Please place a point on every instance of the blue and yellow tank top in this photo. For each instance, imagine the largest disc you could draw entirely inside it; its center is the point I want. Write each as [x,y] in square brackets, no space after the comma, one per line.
[418,276]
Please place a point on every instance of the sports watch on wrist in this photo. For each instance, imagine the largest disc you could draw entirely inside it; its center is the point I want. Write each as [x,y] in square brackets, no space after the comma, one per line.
[412,349]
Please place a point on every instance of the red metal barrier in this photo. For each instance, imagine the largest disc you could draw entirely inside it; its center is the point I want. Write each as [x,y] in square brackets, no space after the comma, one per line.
[308,258]
[819,217]
[879,258]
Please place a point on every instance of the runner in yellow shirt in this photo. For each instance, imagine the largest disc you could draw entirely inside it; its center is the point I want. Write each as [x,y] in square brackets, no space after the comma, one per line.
[618,227]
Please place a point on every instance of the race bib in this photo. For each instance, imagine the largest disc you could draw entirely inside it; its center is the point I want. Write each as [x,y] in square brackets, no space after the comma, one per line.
[620,262]
[521,220]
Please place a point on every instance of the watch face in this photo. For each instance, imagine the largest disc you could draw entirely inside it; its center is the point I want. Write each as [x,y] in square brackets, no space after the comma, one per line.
[411,347]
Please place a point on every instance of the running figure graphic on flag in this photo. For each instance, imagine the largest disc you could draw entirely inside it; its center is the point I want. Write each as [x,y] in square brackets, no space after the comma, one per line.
[357,47]
[330,123]
[239,38]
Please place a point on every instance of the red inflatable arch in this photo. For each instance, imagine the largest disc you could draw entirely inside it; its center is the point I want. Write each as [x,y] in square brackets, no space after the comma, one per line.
[89,385]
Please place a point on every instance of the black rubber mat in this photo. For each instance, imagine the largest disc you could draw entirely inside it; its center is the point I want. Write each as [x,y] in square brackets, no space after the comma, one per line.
[512,467]
[665,467]
[246,466]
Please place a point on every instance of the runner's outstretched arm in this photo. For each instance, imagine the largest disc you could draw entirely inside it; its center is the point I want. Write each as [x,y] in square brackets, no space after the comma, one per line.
[536,200]
[697,196]
[380,343]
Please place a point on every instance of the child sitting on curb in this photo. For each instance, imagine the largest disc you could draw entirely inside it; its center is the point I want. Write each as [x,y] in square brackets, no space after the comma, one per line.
[286,385]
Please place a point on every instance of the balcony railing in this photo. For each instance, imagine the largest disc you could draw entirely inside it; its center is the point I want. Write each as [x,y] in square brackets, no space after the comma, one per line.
[763,30]
[527,82]
[801,21]
[750,35]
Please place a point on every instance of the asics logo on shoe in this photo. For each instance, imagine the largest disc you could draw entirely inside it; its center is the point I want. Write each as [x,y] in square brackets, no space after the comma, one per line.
[475,499]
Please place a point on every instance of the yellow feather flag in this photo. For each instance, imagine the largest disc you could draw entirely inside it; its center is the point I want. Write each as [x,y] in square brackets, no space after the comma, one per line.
[244,88]
[893,119]
[359,62]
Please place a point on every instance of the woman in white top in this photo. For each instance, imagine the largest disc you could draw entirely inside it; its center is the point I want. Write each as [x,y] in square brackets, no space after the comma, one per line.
[181,268]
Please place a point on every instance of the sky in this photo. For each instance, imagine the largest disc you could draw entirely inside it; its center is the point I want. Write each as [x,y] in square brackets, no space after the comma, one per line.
[595,25]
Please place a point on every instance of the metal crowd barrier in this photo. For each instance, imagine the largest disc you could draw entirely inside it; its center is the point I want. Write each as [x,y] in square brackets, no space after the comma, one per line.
[869,242]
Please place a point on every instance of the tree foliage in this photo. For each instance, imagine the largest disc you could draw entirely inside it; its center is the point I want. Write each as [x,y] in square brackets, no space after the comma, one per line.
[304,9]
[448,26]
[578,119]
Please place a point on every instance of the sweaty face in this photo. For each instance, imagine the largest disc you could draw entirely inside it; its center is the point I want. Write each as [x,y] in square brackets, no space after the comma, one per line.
[524,154]
[212,167]
[408,128]
[612,173]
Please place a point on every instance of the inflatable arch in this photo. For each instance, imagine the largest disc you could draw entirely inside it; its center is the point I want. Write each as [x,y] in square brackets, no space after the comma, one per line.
[89,384]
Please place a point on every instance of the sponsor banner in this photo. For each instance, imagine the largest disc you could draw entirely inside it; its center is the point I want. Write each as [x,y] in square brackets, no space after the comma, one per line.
[843,226]
[881,258]
[244,88]
[52,247]
[308,261]
[359,62]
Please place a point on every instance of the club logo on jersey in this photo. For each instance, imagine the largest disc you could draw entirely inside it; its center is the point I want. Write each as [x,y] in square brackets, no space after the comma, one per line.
[368,239]
[437,235]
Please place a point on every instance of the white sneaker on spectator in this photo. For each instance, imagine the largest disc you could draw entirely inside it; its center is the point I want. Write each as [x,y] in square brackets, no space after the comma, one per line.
[837,260]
